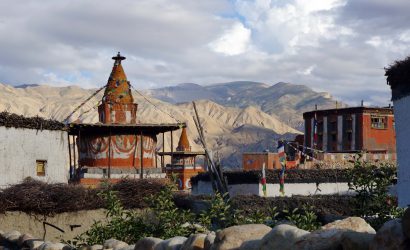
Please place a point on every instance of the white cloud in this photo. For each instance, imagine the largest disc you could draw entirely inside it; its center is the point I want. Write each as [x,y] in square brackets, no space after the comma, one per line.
[234,41]
[331,45]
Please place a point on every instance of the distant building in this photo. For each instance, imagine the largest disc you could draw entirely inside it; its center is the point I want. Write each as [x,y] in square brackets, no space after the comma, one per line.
[351,130]
[32,147]
[183,162]
[255,160]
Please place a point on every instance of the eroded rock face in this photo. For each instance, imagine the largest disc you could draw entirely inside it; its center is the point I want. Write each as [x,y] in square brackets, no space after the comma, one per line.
[233,237]
[174,243]
[389,236]
[194,242]
[282,237]
[147,243]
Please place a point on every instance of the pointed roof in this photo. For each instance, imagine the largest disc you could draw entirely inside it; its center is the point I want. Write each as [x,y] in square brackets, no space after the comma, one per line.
[118,88]
[183,144]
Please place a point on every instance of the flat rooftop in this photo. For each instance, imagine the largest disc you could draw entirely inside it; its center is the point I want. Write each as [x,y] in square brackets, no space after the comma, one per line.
[350,110]
[101,128]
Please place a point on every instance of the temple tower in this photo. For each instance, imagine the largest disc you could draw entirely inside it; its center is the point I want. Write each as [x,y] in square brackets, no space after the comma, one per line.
[183,162]
[117,105]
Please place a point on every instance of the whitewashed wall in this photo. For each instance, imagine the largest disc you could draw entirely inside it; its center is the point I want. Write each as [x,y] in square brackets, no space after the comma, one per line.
[341,188]
[402,123]
[20,148]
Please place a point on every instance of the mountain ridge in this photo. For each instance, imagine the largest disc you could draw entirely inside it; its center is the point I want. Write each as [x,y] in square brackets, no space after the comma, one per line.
[229,130]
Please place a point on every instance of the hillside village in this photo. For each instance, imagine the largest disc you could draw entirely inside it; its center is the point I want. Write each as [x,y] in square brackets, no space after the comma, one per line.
[204,147]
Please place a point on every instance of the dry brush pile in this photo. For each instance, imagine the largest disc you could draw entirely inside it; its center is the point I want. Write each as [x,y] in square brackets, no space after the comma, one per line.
[36,197]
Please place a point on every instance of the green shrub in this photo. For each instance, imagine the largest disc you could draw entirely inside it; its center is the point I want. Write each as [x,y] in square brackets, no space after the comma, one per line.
[371,182]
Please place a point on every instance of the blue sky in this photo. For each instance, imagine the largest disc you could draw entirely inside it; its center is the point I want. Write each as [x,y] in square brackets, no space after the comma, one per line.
[337,46]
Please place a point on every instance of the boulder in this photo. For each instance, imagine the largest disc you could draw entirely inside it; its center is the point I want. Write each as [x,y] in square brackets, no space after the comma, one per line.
[355,224]
[233,237]
[330,236]
[250,245]
[405,222]
[209,240]
[321,240]
[12,236]
[130,247]
[34,244]
[93,247]
[23,238]
[389,236]
[174,243]
[194,242]
[53,246]
[147,243]
[281,237]
[114,244]
[356,240]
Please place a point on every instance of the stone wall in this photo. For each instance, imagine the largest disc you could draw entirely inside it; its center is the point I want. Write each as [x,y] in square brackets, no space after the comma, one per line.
[20,148]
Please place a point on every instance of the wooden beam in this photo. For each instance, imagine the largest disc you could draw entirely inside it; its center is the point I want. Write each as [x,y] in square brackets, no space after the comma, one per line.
[109,156]
[69,157]
[142,157]
[172,151]
[74,147]
[163,150]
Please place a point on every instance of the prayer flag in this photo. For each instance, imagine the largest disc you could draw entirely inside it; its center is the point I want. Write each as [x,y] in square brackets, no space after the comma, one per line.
[263,180]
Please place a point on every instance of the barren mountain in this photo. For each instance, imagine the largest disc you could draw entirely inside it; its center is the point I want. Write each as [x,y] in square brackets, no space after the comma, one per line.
[285,100]
[229,130]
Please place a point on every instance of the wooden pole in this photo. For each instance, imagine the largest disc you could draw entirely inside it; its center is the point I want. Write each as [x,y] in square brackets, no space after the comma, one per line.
[135,151]
[163,151]
[172,151]
[142,157]
[69,157]
[74,148]
[109,155]
[220,184]
[156,159]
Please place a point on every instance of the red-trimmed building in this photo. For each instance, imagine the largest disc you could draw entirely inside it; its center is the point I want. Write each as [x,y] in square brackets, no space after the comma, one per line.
[352,129]
[117,146]
[183,162]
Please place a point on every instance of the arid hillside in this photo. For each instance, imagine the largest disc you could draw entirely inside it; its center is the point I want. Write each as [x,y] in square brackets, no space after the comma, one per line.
[229,130]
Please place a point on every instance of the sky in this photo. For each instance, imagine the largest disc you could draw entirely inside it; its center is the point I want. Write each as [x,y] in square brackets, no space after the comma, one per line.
[337,46]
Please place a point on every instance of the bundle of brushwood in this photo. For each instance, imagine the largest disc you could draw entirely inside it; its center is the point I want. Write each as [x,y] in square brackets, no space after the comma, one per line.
[36,197]
[132,193]
[18,121]
[291,176]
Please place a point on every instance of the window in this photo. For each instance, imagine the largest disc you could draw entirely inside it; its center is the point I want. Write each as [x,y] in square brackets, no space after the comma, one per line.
[349,136]
[334,137]
[41,167]
[379,122]
[333,126]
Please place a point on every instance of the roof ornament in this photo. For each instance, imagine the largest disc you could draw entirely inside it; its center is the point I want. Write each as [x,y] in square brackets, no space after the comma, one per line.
[118,59]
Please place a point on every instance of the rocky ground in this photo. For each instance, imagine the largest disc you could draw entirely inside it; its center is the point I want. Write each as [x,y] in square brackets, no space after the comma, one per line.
[352,233]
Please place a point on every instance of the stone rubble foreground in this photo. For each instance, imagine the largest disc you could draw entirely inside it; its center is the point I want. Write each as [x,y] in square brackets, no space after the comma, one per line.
[352,233]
